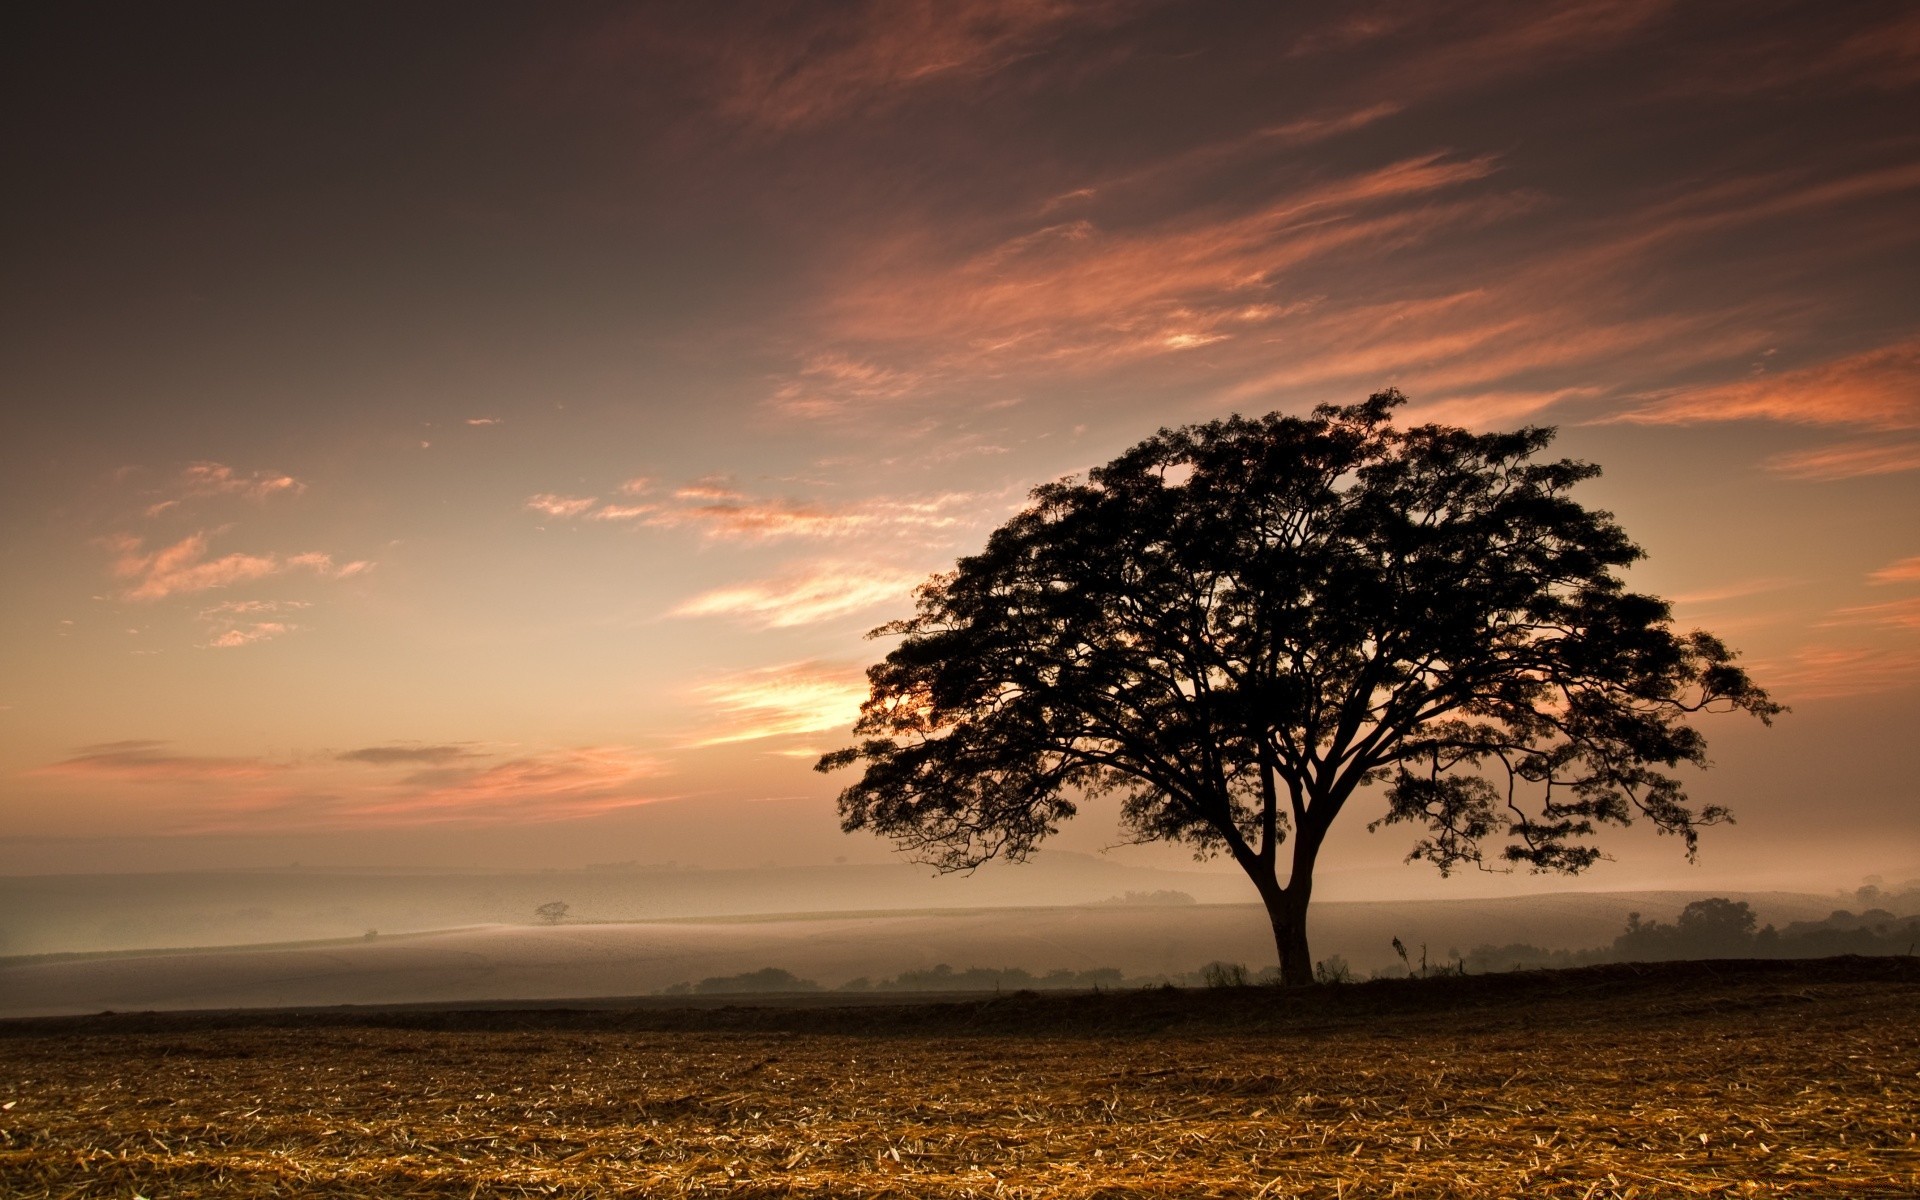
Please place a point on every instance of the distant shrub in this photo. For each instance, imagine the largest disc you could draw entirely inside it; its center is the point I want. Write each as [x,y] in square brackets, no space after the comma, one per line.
[1164,897]
[766,979]
[1225,975]
[1332,969]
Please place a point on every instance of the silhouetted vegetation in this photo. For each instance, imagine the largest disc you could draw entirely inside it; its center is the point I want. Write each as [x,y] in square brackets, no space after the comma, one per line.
[1159,898]
[1234,627]
[552,912]
[1719,928]
[766,979]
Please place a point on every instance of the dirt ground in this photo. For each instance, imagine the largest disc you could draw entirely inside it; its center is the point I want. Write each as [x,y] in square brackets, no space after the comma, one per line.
[1753,1079]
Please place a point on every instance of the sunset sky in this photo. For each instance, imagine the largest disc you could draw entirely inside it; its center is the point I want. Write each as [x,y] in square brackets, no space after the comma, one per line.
[482,433]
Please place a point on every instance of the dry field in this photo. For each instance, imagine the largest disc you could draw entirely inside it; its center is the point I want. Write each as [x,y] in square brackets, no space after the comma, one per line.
[1770,1079]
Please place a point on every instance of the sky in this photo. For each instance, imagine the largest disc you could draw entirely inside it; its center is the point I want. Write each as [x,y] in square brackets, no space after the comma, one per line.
[483,434]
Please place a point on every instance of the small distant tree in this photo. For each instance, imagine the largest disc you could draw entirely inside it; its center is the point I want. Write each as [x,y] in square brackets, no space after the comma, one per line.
[1238,628]
[552,912]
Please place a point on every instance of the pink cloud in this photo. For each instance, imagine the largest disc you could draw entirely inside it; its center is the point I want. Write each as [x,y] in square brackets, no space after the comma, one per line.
[823,591]
[184,568]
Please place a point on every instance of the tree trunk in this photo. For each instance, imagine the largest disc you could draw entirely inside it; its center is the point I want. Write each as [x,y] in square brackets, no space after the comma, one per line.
[1287,911]
[1287,906]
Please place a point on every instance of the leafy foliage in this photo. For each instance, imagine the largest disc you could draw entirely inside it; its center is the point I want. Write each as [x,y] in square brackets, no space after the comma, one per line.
[1234,627]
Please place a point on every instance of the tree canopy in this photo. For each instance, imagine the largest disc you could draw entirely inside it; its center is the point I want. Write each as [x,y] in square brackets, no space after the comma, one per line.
[1236,627]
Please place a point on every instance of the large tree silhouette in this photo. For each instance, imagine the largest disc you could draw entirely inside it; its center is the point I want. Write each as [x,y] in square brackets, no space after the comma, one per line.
[1237,627]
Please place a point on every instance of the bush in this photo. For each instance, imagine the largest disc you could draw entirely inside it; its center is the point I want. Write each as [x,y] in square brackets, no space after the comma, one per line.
[1225,974]
[1332,969]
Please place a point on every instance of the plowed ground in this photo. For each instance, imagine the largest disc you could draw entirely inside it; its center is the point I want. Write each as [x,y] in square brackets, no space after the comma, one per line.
[1730,1080]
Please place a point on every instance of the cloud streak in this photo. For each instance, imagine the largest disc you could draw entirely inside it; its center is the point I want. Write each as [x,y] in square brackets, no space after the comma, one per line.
[819,592]
[183,568]
[1876,389]
[783,701]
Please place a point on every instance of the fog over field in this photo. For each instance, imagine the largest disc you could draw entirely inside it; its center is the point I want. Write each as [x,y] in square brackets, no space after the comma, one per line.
[196,940]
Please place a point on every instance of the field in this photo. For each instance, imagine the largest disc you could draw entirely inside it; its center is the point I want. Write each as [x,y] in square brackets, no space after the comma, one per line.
[1728,1079]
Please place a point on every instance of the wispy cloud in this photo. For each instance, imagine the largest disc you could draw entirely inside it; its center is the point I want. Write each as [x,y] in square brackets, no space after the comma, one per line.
[843,59]
[249,633]
[561,784]
[184,568]
[217,479]
[1077,295]
[1907,570]
[1848,460]
[146,761]
[1893,614]
[1831,672]
[718,508]
[822,591]
[1876,389]
[554,505]
[410,752]
[1737,590]
[236,623]
[783,701]
[393,785]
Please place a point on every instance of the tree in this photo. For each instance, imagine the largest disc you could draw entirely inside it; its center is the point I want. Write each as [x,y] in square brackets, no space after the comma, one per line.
[1237,627]
[552,912]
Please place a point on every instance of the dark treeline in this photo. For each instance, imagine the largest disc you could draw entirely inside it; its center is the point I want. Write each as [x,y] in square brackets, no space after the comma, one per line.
[1719,928]
[943,978]
[1713,928]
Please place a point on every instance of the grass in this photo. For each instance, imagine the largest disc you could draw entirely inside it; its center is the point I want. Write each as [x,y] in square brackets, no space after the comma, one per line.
[1724,1079]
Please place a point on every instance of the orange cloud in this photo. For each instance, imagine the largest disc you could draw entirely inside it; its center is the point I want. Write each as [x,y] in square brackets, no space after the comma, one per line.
[248,634]
[143,761]
[718,509]
[621,512]
[783,701]
[560,506]
[1907,570]
[184,567]
[1848,460]
[1878,389]
[822,591]
[741,517]
[410,784]
[552,785]
[1075,291]
[1894,614]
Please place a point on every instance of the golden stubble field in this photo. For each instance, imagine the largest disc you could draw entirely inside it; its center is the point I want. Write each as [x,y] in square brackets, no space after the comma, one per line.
[1757,1081]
